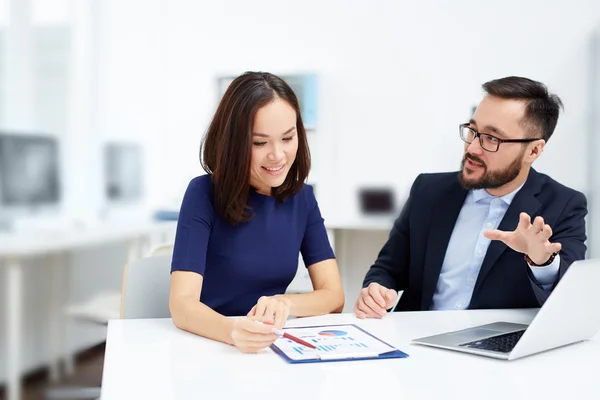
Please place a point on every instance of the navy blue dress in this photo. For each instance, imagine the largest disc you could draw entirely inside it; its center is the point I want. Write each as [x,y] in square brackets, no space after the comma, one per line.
[252,259]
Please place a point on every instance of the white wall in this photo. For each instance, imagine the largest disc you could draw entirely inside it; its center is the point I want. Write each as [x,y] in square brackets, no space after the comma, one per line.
[134,90]
[396,78]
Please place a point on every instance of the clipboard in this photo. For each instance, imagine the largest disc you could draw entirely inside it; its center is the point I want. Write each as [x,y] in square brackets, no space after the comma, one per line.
[343,342]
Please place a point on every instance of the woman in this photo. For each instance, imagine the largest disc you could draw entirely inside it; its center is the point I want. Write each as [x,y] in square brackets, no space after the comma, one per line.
[242,225]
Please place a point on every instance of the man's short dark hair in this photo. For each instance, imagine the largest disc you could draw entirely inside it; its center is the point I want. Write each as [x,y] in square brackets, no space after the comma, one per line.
[542,108]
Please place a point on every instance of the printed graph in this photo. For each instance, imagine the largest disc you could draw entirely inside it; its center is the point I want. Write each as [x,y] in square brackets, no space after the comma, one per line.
[349,345]
[348,340]
[333,333]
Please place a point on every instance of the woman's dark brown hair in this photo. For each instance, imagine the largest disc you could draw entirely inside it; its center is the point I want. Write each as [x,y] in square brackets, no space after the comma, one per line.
[226,149]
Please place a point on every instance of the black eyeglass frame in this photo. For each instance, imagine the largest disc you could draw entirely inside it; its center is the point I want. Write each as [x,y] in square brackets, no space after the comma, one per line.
[480,135]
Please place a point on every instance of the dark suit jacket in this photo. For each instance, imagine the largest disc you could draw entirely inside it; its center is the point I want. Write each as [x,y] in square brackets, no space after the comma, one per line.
[412,258]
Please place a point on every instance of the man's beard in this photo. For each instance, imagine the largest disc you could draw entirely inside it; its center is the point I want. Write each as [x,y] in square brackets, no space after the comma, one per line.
[490,179]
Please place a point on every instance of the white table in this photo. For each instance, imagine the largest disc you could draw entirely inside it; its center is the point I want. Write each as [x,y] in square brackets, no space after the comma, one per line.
[151,358]
[17,247]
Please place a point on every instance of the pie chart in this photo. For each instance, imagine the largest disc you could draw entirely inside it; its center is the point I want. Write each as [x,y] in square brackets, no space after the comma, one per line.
[332,333]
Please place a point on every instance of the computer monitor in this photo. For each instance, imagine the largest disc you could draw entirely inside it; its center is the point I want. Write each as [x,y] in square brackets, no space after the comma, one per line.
[377,201]
[29,171]
[123,172]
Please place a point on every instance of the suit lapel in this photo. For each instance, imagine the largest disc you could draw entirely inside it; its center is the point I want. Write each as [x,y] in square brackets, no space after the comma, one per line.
[442,224]
[524,201]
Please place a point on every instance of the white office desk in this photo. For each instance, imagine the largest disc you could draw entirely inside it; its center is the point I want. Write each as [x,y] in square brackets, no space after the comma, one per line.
[153,359]
[17,247]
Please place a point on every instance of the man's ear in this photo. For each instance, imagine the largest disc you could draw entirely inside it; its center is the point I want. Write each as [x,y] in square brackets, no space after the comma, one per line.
[536,150]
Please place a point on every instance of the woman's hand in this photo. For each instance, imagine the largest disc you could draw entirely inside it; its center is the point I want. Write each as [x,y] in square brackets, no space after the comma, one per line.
[276,307]
[251,335]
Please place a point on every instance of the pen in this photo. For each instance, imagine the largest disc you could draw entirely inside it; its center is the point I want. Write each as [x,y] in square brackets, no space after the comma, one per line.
[293,338]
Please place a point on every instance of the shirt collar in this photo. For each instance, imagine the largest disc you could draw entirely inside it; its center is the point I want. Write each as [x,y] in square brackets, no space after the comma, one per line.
[480,194]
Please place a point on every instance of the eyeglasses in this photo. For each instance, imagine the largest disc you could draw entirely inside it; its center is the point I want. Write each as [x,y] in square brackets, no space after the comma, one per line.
[487,142]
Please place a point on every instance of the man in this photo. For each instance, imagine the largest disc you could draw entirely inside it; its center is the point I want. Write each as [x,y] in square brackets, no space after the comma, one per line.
[496,235]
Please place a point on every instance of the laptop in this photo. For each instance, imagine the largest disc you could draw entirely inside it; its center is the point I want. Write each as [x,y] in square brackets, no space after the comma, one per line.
[568,316]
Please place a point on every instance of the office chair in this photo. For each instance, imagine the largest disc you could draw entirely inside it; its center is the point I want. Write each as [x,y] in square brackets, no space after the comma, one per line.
[146,285]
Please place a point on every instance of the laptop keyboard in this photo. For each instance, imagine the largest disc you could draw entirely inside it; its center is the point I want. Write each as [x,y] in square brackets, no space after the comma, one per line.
[501,343]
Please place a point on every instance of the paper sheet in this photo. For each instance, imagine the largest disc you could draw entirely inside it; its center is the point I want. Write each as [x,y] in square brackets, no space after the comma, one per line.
[331,340]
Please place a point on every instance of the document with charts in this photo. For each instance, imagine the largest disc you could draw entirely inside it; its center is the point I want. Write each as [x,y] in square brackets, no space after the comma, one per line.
[334,343]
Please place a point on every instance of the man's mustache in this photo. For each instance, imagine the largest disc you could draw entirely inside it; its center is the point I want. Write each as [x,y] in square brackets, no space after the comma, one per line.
[474,158]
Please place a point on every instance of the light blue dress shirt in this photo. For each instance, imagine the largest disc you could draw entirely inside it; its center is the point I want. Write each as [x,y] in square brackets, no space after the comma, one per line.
[467,248]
